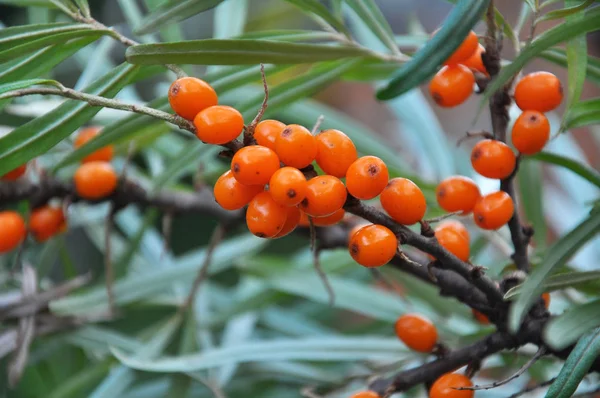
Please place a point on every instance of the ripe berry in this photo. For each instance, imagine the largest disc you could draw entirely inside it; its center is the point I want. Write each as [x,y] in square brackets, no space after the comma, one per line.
[296,146]
[231,194]
[254,165]
[403,201]
[366,394]
[445,387]
[453,240]
[417,332]
[465,50]
[475,62]
[95,180]
[266,132]
[493,210]
[373,245]
[218,124]
[288,186]
[15,174]
[325,195]
[335,152]
[530,132]
[357,228]
[46,221]
[265,217]
[104,154]
[291,222]
[538,91]
[367,177]
[455,226]
[457,193]
[12,230]
[493,159]
[189,95]
[481,318]
[452,85]
[546,298]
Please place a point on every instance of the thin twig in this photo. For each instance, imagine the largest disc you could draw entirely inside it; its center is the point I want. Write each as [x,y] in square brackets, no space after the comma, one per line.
[249,131]
[471,134]
[533,388]
[443,217]
[317,124]
[317,263]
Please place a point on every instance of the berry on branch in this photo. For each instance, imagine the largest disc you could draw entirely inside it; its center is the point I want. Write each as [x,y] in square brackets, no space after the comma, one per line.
[296,146]
[452,85]
[265,217]
[266,132]
[288,186]
[95,180]
[493,210]
[254,165]
[445,387]
[538,91]
[457,193]
[452,238]
[12,230]
[367,177]
[416,332]
[189,95]
[15,174]
[104,154]
[230,194]
[218,124]
[493,159]
[530,132]
[335,152]
[292,221]
[46,221]
[465,50]
[373,245]
[366,394]
[324,196]
[404,201]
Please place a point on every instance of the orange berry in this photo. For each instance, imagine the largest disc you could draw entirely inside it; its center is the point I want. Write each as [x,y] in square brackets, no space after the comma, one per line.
[104,154]
[95,180]
[291,222]
[324,196]
[335,152]
[12,230]
[455,226]
[493,210]
[453,241]
[465,50]
[15,174]
[530,132]
[366,394]
[218,124]
[493,159]
[373,245]
[304,220]
[417,332]
[452,85]
[445,387]
[367,177]
[357,228]
[403,201]
[546,298]
[46,221]
[288,186]
[254,165]
[457,193]
[475,62]
[266,132]
[481,318]
[331,219]
[265,217]
[189,95]
[231,194]
[538,91]
[296,146]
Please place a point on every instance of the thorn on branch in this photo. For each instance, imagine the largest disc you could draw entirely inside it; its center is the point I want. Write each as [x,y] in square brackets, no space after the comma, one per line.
[477,271]
[249,131]
[317,125]
[426,229]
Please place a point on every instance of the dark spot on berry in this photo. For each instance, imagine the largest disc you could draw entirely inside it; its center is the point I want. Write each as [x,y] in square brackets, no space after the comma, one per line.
[257,172]
[260,234]
[437,97]
[373,170]
[175,89]
[291,193]
[442,192]
[330,145]
[480,218]
[560,88]
[354,250]
[286,132]
[533,118]
[476,154]
[235,168]
[304,202]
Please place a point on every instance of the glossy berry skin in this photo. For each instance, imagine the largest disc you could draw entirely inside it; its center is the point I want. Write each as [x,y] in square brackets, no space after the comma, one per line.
[331,219]
[12,230]
[453,241]
[416,332]
[291,222]
[104,154]
[373,246]
[465,50]
[366,394]
[494,210]
[218,124]
[530,132]
[325,195]
[452,85]
[481,318]
[404,201]
[455,226]
[335,152]
[538,91]
[457,193]
[475,62]
[265,217]
[296,146]
[367,177]
[444,387]
[189,95]
[266,132]
[493,159]
[46,221]
[15,174]
[254,165]
[95,180]
[230,194]
[288,186]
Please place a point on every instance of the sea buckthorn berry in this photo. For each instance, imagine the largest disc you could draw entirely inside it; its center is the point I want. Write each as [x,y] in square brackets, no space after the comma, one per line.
[445,387]
[417,332]
[538,91]
[373,245]
[46,221]
[104,154]
[493,210]
[254,165]
[455,226]
[465,50]
[452,85]
[266,132]
[367,177]
[481,318]
[230,194]
[15,174]
[546,298]
[530,132]
[493,159]
[457,193]
[218,124]
[453,241]
[366,394]
[475,62]
[331,219]
[265,217]
[288,186]
[325,195]
[296,146]
[357,228]
[12,230]
[335,152]
[403,201]
[291,222]
[95,180]
[189,95]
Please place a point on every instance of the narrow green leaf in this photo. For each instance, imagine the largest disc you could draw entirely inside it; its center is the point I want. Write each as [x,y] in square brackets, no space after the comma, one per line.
[576,167]
[18,35]
[314,7]
[288,35]
[5,88]
[530,180]
[559,57]
[555,257]
[238,52]
[82,381]
[372,16]
[531,4]
[84,7]
[559,282]
[567,328]
[29,3]
[174,11]
[583,113]
[572,7]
